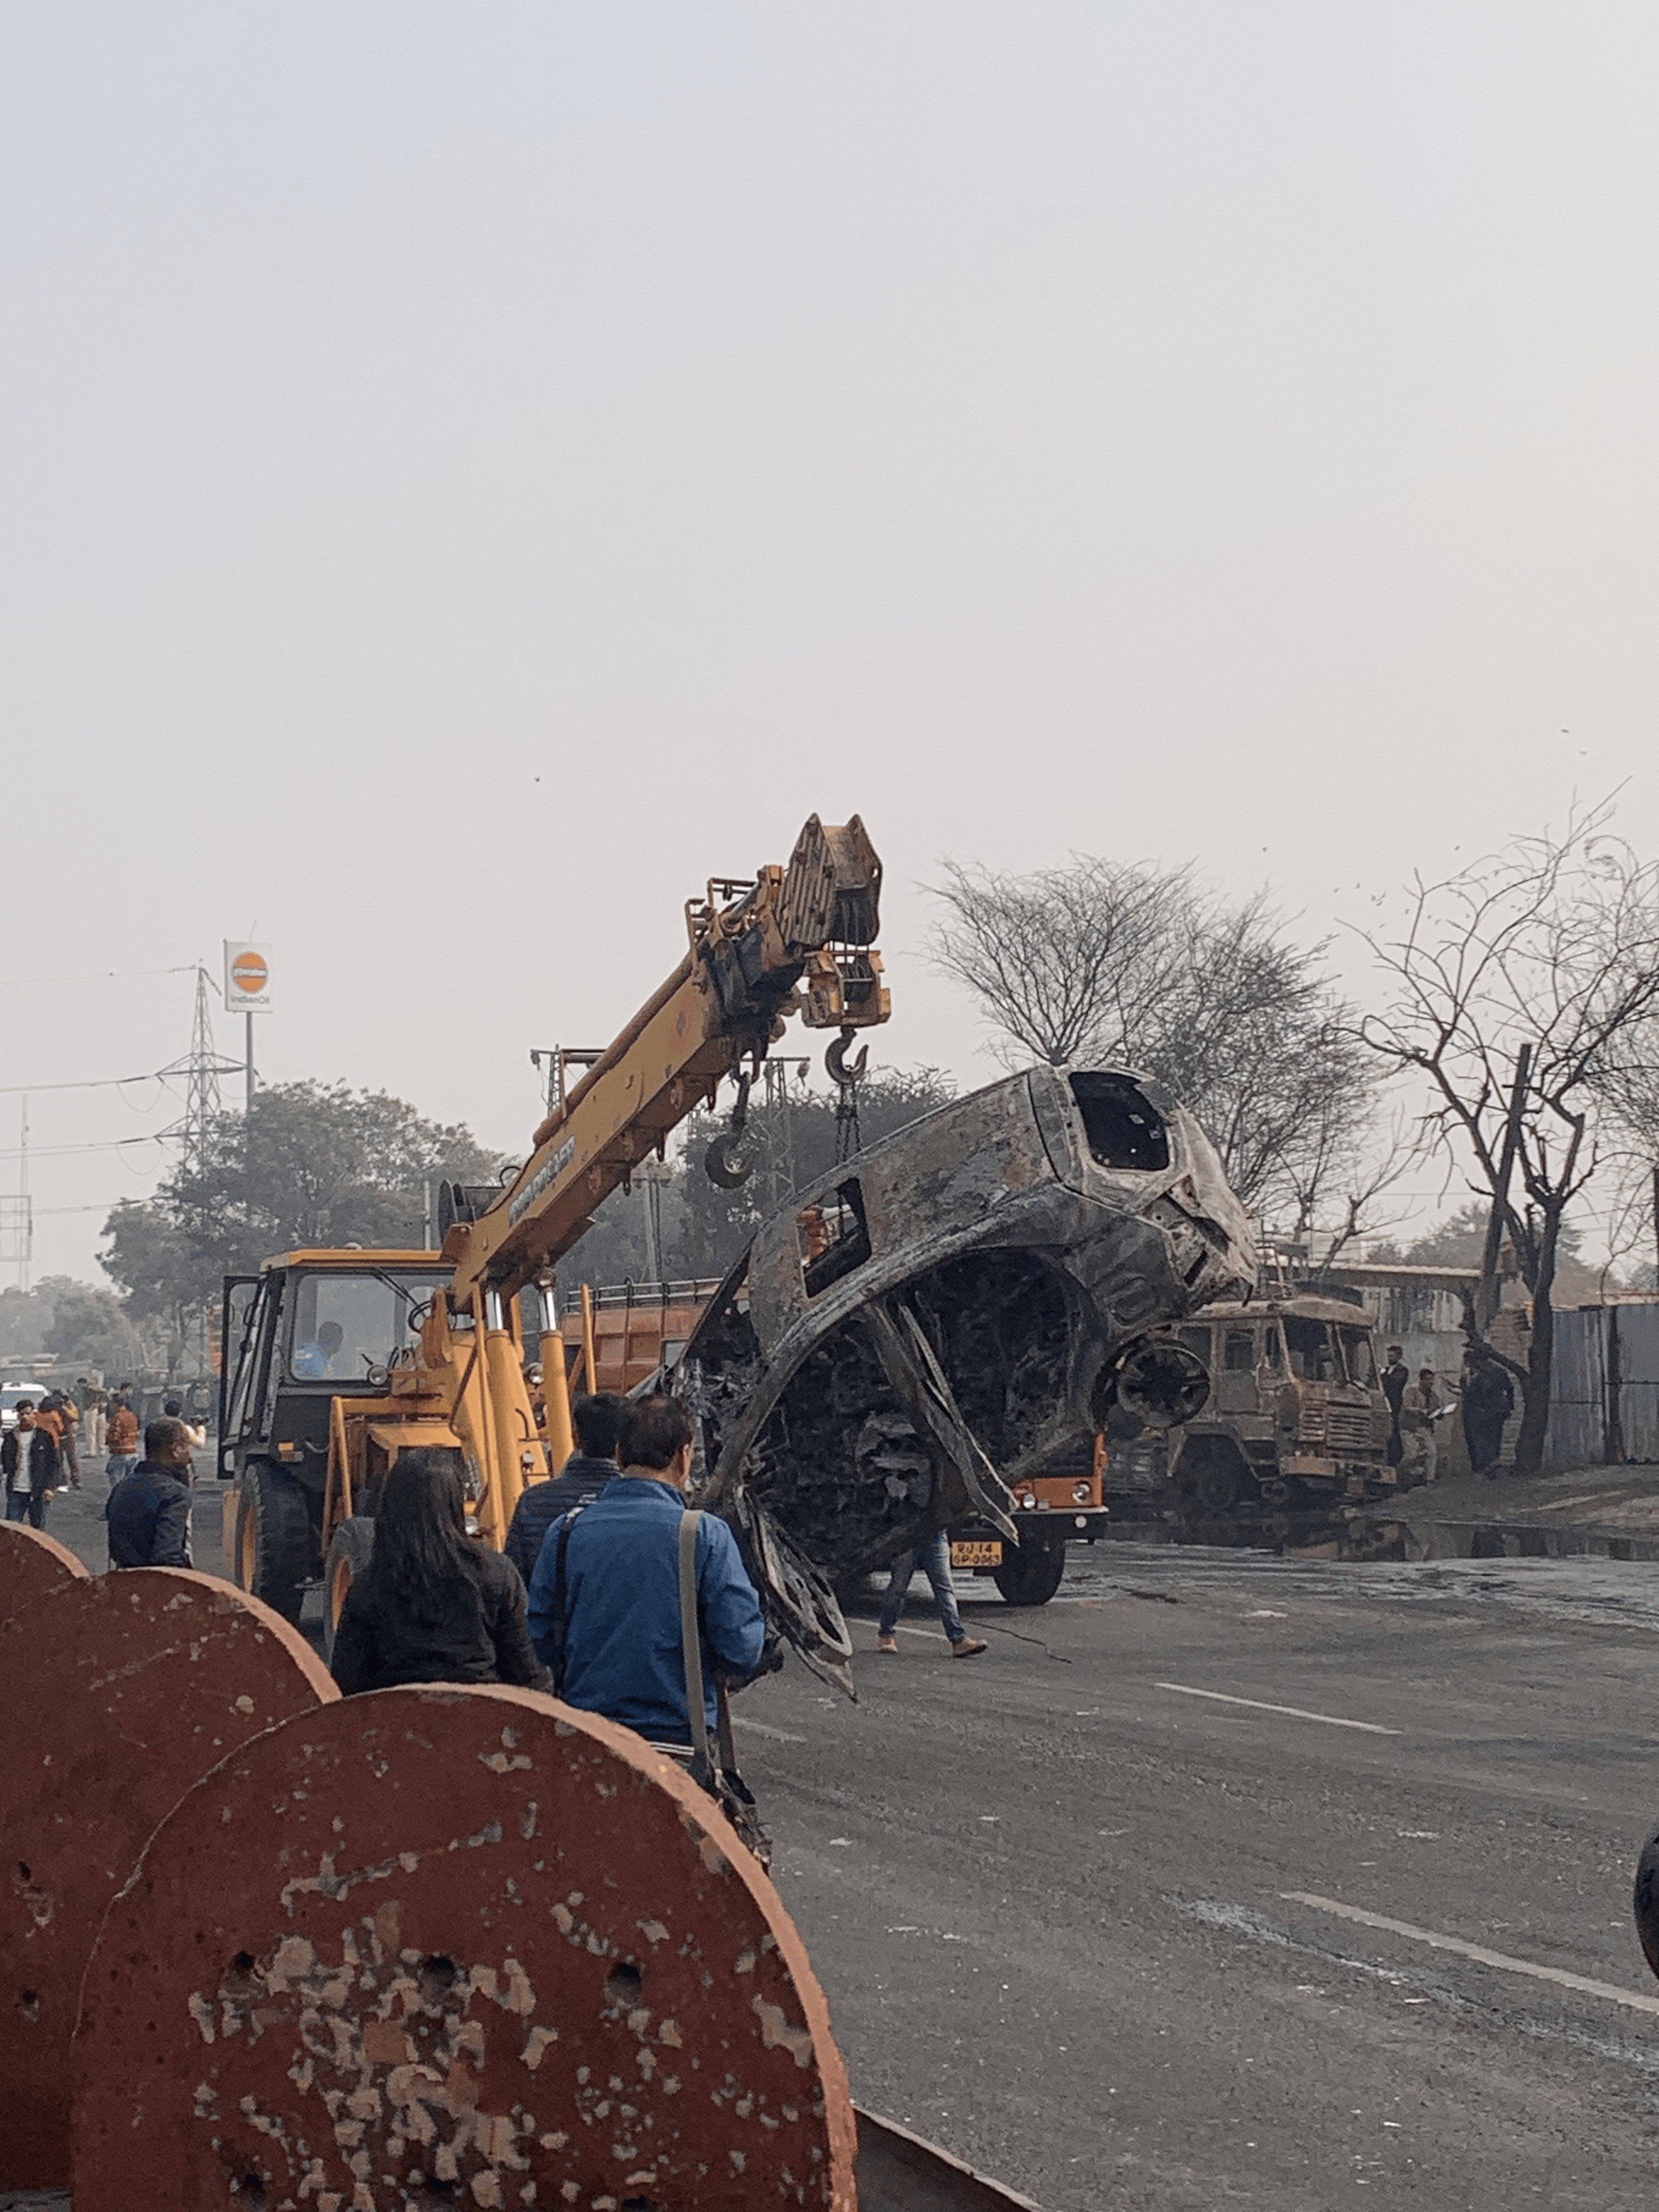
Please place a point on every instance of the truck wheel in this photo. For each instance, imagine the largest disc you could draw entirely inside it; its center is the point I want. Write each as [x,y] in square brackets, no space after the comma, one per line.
[348,1555]
[1031,1575]
[276,1551]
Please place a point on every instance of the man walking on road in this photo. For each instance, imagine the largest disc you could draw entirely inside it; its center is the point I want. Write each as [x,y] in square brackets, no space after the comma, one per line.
[148,1513]
[578,1481]
[615,1644]
[934,1558]
[123,1442]
[29,1468]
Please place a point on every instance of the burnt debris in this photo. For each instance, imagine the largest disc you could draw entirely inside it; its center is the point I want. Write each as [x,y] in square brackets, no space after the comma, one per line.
[948,1313]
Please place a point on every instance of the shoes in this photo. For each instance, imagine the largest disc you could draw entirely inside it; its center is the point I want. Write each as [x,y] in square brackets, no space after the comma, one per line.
[969,1647]
[888,1643]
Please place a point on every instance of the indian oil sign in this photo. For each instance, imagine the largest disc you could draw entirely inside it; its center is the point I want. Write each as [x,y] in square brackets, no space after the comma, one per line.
[247,978]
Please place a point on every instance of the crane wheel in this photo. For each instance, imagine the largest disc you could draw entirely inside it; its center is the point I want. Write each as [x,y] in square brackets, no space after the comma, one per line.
[275,1550]
[1031,1575]
[349,1554]
[723,1164]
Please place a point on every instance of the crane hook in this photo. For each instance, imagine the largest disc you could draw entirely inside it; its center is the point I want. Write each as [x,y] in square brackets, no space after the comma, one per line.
[835,1060]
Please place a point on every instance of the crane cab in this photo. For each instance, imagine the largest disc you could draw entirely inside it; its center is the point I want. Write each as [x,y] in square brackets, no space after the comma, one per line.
[309,1327]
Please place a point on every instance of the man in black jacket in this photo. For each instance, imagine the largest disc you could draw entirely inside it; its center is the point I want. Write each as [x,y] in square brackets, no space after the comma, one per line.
[148,1513]
[29,1468]
[584,1475]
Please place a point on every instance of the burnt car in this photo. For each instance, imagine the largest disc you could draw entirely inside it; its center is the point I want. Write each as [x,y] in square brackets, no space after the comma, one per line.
[953,1312]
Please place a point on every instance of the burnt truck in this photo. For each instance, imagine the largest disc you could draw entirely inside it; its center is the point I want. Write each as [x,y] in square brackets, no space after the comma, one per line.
[1296,1414]
[931,1337]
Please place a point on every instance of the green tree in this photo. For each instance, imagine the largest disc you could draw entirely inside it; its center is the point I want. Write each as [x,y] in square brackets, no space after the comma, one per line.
[309,1164]
[89,1328]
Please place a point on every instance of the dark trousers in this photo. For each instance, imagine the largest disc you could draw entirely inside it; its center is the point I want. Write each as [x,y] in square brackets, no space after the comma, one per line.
[22,1505]
[1486,1441]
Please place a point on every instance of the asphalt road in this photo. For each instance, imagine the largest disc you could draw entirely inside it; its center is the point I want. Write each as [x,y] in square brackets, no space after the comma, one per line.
[1065,1915]
[1092,1931]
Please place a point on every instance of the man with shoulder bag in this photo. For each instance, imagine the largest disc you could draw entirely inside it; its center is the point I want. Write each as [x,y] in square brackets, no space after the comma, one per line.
[644,1612]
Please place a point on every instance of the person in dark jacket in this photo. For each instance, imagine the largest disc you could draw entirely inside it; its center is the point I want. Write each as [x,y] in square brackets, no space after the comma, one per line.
[29,1468]
[1396,1380]
[624,1657]
[432,1606]
[581,1479]
[1488,1402]
[148,1513]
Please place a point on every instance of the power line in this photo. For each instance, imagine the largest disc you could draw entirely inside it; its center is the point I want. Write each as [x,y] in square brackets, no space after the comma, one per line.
[106,1145]
[102,975]
[93,1083]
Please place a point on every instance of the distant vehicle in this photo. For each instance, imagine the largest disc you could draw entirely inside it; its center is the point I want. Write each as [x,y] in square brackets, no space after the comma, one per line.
[10,1395]
[1296,1414]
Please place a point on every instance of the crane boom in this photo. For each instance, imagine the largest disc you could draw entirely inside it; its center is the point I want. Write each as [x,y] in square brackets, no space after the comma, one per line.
[793,939]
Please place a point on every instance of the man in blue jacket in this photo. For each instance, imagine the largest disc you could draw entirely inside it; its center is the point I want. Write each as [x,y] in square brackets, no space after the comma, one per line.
[622,1654]
[149,1511]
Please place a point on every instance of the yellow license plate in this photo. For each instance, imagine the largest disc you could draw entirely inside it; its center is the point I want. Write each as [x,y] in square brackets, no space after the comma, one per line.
[975,1555]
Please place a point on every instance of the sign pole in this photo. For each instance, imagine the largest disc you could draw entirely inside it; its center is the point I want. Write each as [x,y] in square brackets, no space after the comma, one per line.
[250,1062]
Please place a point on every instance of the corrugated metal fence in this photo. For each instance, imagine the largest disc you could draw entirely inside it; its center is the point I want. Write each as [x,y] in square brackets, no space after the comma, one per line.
[1604,1394]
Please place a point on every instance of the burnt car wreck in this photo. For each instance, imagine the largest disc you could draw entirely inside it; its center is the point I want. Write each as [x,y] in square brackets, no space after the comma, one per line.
[949,1313]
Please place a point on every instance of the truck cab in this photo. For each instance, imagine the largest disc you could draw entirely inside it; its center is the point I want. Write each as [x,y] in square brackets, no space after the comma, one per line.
[309,1327]
[1295,1413]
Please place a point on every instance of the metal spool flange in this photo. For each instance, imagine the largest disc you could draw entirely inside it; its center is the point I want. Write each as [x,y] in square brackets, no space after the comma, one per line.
[443,1945]
[32,1565]
[129,1687]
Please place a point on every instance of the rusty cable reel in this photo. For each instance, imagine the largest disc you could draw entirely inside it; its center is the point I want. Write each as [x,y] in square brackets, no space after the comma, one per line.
[32,1565]
[137,1684]
[454,1945]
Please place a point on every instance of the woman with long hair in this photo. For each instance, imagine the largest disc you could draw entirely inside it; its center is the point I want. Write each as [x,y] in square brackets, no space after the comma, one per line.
[432,1606]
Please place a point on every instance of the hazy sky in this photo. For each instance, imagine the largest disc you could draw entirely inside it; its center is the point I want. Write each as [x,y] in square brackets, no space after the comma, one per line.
[471,472]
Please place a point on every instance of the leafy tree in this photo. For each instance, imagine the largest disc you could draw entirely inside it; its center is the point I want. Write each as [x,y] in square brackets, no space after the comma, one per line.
[25,1317]
[309,1164]
[90,1330]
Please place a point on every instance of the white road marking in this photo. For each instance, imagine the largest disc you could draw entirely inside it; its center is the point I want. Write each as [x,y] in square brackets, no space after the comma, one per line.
[761,1728]
[1477,1951]
[1295,1712]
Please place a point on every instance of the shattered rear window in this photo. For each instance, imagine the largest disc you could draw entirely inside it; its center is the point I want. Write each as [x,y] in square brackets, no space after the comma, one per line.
[1123,1128]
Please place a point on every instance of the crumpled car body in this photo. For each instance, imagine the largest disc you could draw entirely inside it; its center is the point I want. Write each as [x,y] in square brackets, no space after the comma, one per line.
[953,1309]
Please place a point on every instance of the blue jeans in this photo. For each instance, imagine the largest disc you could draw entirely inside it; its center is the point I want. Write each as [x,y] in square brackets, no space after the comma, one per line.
[934,1557]
[20,1506]
[118,1465]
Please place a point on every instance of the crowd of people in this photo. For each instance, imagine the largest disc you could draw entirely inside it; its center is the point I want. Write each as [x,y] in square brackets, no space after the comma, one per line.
[41,1455]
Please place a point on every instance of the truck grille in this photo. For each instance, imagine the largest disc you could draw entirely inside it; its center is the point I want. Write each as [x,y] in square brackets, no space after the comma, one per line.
[1348,1428]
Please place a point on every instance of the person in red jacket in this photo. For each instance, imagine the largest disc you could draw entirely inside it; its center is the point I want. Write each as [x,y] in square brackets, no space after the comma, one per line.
[123,1442]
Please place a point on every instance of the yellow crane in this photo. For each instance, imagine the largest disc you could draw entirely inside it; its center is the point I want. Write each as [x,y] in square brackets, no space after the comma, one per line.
[791,940]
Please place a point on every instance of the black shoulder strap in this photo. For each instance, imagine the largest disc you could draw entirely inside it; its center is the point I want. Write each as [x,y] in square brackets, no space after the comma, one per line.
[561,1610]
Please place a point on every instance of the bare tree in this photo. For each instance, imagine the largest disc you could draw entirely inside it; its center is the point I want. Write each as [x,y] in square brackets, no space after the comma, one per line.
[1111,963]
[1521,991]
[1064,960]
